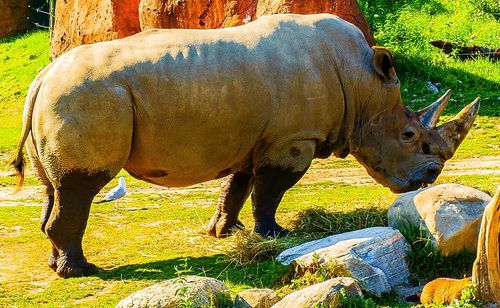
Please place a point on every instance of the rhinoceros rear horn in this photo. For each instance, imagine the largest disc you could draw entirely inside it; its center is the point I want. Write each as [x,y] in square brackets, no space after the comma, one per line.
[454,131]
[429,116]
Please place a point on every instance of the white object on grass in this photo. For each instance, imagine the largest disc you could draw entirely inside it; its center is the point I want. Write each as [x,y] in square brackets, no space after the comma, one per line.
[117,192]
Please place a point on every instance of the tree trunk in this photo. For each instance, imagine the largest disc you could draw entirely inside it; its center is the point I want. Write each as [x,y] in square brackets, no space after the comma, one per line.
[486,270]
[85,22]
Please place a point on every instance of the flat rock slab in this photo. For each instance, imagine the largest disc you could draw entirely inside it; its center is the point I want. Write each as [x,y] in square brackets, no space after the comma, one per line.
[324,294]
[373,256]
[450,214]
[256,298]
[193,290]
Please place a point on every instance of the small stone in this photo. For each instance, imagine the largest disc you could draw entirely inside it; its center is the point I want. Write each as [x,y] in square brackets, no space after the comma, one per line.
[324,294]
[450,214]
[374,256]
[193,290]
[431,87]
[256,298]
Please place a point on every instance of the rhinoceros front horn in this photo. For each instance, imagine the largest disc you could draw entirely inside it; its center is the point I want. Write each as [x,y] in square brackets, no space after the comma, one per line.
[429,116]
[454,131]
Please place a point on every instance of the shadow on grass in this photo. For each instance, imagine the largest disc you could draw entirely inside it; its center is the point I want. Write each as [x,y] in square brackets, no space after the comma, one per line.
[414,71]
[309,224]
[260,274]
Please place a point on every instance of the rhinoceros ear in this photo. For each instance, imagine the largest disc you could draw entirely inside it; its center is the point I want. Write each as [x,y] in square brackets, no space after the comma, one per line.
[383,64]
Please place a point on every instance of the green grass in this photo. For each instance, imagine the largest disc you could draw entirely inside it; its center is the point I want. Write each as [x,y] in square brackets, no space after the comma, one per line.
[150,236]
[144,238]
[21,58]
[427,263]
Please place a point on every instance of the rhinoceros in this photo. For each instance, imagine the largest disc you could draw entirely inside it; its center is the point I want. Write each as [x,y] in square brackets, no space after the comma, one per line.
[256,103]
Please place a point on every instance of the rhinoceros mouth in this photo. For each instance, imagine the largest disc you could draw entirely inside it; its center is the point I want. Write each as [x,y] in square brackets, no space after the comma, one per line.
[422,176]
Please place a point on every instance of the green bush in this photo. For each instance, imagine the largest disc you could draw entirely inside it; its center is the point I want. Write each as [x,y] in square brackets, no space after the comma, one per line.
[488,6]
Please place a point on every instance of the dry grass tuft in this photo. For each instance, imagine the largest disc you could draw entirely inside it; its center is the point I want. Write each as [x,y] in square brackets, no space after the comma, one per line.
[318,222]
[248,247]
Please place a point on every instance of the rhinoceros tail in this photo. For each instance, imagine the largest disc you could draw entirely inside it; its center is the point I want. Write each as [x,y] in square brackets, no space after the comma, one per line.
[18,161]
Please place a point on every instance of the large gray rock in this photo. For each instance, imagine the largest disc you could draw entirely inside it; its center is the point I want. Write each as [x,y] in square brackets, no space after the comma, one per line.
[450,214]
[256,298]
[374,256]
[324,294]
[191,290]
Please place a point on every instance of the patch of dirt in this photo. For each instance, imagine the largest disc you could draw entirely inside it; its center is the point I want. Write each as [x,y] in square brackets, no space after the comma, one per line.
[8,196]
[486,165]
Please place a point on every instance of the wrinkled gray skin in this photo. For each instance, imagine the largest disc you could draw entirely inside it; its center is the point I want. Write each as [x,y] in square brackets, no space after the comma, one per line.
[256,102]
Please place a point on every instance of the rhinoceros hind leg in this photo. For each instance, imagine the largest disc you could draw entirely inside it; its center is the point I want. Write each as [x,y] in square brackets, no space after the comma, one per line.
[271,183]
[68,219]
[48,197]
[235,190]
[47,206]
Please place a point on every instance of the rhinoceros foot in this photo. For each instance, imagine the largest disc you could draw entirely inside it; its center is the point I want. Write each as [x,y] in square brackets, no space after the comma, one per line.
[272,230]
[67,268]
[222,227]
[54,256]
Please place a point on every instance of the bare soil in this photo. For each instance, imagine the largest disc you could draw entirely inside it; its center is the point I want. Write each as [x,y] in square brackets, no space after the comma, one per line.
[486,165]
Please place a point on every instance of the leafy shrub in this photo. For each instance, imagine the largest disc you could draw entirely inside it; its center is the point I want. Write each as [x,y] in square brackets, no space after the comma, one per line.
[355,301]
[488,6]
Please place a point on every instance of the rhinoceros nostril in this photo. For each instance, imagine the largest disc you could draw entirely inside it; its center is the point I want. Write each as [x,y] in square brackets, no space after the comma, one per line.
[426,148]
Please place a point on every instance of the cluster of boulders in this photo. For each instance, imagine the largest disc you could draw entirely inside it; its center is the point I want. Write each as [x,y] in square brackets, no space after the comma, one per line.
[196,291]
[84,22]
[371,259]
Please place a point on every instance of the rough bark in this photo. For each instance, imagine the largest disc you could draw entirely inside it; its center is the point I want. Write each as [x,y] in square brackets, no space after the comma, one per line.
[486,270]
[346,9]
[14,17]
[86,22]
[195,14]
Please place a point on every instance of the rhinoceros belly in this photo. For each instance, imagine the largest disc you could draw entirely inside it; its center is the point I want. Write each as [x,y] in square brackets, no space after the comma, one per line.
[190,152]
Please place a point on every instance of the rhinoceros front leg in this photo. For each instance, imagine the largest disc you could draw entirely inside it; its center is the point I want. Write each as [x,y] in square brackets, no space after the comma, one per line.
[277,169]
[271,183]
[235,191]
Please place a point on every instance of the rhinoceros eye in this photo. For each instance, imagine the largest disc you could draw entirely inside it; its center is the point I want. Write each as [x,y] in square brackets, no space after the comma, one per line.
[408,134]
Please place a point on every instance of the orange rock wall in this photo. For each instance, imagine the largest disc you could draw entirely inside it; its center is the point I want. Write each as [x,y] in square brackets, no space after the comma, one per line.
[14,17]
[84,22]
[195,14]
[91,21]
[346,9]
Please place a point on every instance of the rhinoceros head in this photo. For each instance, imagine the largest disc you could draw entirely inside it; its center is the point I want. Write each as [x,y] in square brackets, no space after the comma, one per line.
[402,149]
